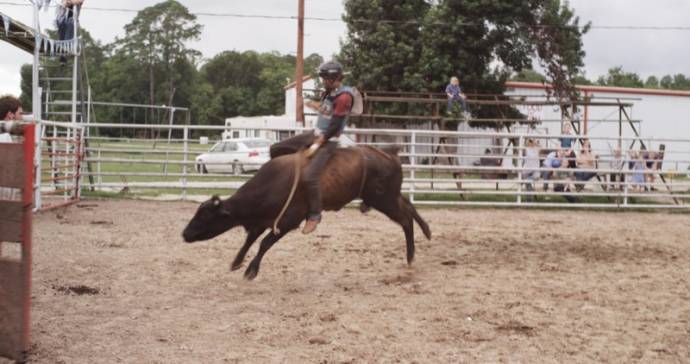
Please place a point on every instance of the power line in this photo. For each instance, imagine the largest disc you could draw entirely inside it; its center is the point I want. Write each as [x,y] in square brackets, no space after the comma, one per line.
[375,21]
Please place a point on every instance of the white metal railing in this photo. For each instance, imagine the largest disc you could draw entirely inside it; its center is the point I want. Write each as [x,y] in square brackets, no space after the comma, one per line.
[430,161]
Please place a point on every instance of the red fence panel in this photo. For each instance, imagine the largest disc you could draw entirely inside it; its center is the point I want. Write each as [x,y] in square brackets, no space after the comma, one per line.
[16,179]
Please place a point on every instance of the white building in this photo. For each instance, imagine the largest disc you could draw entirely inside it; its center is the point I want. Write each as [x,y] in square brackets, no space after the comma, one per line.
[252,126]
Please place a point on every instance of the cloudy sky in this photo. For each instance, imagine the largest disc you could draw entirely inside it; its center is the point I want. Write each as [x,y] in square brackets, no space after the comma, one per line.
[646,52]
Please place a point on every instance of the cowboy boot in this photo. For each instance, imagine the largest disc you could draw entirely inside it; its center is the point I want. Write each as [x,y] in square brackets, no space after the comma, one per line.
[310,225]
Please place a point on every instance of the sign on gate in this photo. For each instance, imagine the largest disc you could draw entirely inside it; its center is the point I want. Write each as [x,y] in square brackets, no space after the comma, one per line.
[16,203]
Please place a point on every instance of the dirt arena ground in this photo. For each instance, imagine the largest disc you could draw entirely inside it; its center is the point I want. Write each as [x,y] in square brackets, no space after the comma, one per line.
[114,283]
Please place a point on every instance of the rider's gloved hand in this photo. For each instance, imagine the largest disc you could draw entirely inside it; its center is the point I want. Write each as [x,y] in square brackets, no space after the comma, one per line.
[312,149]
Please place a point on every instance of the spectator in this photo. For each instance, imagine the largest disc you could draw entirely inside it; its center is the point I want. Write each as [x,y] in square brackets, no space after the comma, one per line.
[455,94]
[650,159]
[10,110]
[489,159]
[638,166]
[617,164]
[567,145]
[64,19]
[586,160]
[553,160]
[531,165]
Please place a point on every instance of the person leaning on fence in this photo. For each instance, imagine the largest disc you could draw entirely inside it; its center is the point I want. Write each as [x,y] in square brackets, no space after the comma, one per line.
[617,176]
[553,160]
[531,166]
[586,160]
[651,160]
[567,145]
[455,94]
[639,167]
[10,111]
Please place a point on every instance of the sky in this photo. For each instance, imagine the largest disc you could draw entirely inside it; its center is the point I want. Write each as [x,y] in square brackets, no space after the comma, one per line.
[645,52]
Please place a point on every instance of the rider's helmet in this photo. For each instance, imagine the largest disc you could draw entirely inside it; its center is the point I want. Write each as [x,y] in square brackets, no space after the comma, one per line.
[331,70]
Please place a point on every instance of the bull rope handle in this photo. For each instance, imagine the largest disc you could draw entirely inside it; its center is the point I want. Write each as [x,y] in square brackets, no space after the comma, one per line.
[297,155]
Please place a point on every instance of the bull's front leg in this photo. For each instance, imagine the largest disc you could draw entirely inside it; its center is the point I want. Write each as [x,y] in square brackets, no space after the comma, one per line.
[252,235]
[267,242]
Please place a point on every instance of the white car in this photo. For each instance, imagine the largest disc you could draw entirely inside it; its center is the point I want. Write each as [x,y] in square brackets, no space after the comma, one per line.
[234,156]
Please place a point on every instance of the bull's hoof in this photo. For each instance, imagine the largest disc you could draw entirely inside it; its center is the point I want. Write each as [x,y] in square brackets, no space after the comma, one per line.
[235,266]
[364,208]
[250,274]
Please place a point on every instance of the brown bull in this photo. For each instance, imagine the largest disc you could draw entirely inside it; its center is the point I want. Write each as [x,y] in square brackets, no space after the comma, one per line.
[369,173]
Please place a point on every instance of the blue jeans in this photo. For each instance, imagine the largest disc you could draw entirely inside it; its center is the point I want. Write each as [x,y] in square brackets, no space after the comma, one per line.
[584,176]
[66,29]
[546,175]
[313,178]
[456,98]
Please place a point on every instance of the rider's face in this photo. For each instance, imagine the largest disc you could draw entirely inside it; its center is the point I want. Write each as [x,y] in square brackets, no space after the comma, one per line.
[329,83]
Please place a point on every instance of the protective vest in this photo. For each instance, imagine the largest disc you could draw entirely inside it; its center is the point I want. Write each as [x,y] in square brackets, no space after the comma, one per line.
[326,109]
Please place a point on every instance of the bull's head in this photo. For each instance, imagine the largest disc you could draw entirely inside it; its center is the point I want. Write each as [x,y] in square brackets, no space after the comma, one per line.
[211,219]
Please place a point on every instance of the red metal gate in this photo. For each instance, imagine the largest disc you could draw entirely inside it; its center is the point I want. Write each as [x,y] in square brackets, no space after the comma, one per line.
[16,203]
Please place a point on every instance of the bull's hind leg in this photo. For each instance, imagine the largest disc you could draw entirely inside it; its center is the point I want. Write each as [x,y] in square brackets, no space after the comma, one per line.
[252,235]
[397,210]
[417,218]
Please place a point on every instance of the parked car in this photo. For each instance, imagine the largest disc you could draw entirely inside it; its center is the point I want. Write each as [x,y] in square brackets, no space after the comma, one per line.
[234,156]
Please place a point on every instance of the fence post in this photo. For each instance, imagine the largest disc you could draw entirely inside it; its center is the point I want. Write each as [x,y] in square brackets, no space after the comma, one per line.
[66,161]
[184,166]
[98,169]
[39,132]
[81,152]
[53,160]
[520,167]
[413,163]
[625,188]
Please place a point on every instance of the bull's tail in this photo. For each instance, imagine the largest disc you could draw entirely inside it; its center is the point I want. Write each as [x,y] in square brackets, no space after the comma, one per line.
[420,221]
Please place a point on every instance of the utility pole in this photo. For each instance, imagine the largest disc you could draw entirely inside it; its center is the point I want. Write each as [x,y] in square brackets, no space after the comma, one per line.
[299,69]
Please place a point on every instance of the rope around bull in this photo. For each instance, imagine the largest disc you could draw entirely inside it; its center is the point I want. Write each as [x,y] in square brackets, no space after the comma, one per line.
[297,155]
[295,182]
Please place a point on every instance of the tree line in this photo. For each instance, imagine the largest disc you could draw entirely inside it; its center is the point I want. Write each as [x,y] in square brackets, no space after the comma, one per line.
[152,64]
[402,45]
[617,77]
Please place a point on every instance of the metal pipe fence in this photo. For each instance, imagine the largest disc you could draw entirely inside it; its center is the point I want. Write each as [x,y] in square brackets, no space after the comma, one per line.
[443,168]
[59,153]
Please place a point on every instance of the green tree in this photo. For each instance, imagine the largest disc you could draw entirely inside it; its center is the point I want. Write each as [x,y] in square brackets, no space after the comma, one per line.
[26,73]
[157,37]
[383,44]
[680,82]
[652,82]
[581,80]
[529,75]
[666,82]
[250,83]
[618,77]
[416,45]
